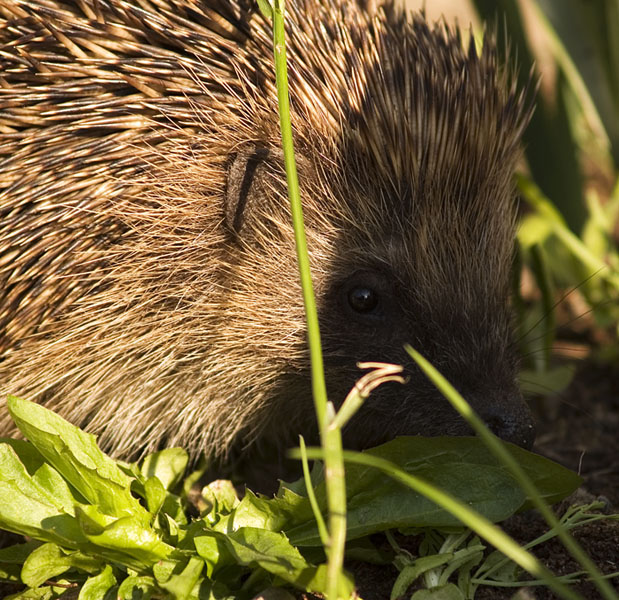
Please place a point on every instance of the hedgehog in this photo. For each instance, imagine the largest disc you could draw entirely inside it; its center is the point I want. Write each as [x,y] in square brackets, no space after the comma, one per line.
[148,279]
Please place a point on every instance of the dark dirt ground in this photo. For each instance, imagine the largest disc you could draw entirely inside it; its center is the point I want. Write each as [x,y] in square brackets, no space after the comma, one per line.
[579,429]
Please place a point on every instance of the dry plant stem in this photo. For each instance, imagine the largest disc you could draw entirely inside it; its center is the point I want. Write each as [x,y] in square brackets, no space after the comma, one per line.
[331,438]
[380,373]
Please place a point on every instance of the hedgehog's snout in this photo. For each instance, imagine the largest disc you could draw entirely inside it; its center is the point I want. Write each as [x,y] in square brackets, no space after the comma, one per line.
[511,420]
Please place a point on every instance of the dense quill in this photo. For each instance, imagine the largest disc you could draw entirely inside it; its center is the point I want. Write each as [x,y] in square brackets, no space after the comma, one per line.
[148,284]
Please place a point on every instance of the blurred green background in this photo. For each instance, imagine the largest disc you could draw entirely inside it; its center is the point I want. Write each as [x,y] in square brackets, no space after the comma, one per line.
[566,276]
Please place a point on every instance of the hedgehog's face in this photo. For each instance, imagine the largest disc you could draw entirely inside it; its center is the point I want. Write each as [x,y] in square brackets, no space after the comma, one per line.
[430,268]
[383,280]
[370,314]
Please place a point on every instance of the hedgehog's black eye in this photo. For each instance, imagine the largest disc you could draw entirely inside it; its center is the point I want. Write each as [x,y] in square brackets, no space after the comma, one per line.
[366,299]
[363,299]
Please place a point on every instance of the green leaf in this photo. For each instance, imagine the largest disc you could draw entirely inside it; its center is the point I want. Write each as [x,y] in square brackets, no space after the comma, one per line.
[545,209]
[214,551]
[534,229]
[48,561]
[441,592]
[29,509]
[257,512]
[557,171]
[182,585]
[167,465]
[418,567]
[364,550]
[155,494]
[28,455]
[266,9]
[164,569]
[100,587]
[273,552]
[461,466]
[75,455]
[137,588]
[127,536]
[220,497]
[546,383]
[42,593]
[588,33]
[376,503]
[12,558]
[52,482]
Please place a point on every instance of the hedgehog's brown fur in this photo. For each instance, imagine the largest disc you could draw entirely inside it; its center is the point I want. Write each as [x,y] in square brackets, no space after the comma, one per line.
[147,265]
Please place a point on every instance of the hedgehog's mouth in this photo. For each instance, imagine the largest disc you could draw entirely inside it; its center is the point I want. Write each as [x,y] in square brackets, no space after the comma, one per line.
[390,413]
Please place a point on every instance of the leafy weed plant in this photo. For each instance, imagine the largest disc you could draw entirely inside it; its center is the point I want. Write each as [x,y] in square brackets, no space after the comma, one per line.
[118,530]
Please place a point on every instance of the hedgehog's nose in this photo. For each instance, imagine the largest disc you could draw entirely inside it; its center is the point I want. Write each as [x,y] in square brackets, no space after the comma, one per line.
[511,421]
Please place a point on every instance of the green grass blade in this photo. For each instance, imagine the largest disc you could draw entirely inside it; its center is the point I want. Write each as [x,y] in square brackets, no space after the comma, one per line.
[585,42]
[331,438]
[482,526]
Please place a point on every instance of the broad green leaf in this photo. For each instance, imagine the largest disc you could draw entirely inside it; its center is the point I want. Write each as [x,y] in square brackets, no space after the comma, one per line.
[42,593]
[182,585]
[50,480]
[167,465]
[442,592]
[100,587]
[173,514]
[548,382]
[75,455]
[257,512]
[29,456]
[461,466]
[274,553]
[164,569]
[29,509]
[12,559]
[155,494]
[133,588]
[128,536]
[13,472]
[220,497]
[364,550]
[48,561]
[214,551]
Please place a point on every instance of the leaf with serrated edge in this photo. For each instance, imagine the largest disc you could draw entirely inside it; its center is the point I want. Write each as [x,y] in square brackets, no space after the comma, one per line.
[274,553]
[129,536]
[75,455]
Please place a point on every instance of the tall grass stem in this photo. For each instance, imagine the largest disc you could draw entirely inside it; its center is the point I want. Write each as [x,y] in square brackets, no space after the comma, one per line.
[331,438]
